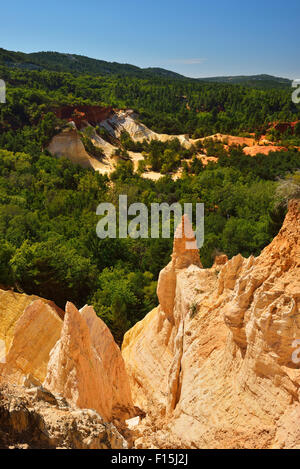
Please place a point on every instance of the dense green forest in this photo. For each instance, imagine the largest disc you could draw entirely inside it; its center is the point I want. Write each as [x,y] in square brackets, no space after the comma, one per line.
[48,218]
[77,64]
[254,81]
[165,105]
[48,206]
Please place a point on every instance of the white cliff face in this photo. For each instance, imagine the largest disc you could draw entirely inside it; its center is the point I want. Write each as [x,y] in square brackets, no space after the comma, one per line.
[68,144]
[86,366]
[212,365]
[127,121]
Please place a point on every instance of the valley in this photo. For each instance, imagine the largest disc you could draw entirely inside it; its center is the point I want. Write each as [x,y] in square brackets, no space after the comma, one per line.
[138,342]
[188,377]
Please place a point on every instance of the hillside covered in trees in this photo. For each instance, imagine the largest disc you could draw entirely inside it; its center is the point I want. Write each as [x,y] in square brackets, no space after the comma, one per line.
[48,206]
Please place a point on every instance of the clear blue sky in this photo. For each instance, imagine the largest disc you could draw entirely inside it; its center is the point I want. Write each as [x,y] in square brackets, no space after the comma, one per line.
[197,38]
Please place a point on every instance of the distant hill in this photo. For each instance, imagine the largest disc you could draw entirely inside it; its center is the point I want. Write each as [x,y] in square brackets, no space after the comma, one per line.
[80,64]
[73,63]
[261,81]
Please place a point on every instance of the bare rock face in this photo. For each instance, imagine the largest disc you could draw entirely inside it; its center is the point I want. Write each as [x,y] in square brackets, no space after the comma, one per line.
[86,384]
[80,114]
[82,368]
[212,366]
[30,330]
[113,366]
[12,307]
[185,250]
[261,149]
[86,366]
[185,253]
[220,260]
[29,421]
[152,340]
[68,144]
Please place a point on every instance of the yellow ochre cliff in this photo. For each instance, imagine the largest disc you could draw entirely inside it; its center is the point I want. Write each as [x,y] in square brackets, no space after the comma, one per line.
[213,365]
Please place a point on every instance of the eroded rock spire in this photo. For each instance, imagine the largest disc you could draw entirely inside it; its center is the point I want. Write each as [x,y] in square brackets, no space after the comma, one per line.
[185,251]
[86,366]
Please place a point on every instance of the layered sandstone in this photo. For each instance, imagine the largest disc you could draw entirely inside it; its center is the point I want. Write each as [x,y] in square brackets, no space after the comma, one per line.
[86,366]
[127,120]
[68,144]
[282,127]
[77,358]
[212,365]
[29,328]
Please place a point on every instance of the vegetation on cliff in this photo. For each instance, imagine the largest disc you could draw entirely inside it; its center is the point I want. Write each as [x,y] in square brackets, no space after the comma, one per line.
[164,104]
[48,218]
[48,242]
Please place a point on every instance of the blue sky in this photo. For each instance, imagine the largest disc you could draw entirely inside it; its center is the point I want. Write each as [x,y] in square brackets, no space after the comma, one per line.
[194,37]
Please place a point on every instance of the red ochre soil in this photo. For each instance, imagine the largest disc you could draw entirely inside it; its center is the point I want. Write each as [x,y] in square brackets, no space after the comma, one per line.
[79,114]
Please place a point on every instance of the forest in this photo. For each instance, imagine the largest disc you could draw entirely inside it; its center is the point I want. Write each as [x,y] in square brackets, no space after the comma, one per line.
[48,206]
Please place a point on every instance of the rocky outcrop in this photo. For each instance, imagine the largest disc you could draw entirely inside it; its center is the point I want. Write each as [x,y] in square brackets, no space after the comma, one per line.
[68,144]
[81,367]
[113,366]
[153,340]
[86,366]
[29,419]
[29,328]
[212,366]
[263,150]
[185,253]
[82,114]
[127,120]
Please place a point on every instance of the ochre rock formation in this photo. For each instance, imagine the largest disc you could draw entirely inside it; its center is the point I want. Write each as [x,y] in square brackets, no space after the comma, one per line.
[212,366]
[68,144]
[81,114]
[113,366]
[29,328]
[36,332]
[76,358]
[86,366]
[261,149]
[127,120]
[12,306]
[230,140]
